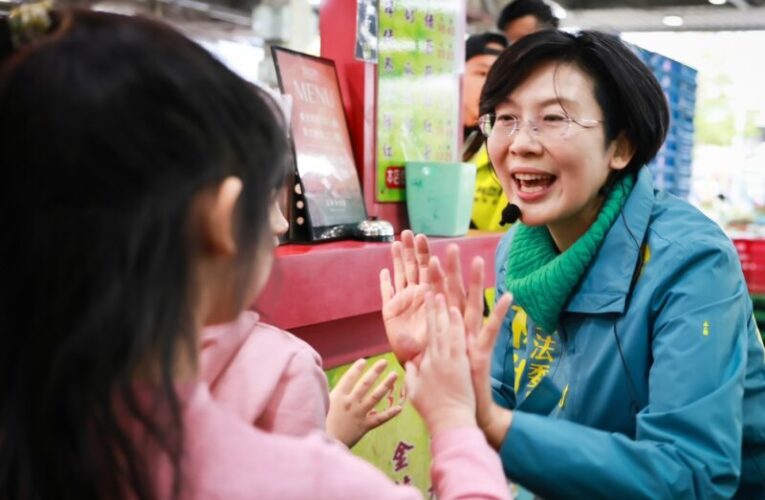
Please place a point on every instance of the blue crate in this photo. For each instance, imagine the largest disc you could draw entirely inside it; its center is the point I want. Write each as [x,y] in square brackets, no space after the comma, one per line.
[664,184]
[683,182]
[671,169]
[664,161]
[684,139]
[683,168]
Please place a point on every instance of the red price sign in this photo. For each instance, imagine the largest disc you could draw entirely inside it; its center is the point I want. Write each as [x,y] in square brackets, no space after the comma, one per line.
[395,177]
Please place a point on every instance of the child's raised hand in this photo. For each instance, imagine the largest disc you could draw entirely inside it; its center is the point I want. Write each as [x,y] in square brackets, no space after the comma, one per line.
[440,387]
[352,406]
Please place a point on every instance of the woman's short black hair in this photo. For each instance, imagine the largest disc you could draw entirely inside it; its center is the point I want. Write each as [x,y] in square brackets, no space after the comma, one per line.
[631,98]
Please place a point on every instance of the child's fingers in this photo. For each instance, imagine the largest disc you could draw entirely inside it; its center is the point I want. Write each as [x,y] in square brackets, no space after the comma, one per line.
[436,276]
[430,321]
[366,382]
[474,303]
[386,286]
[442,326]
[456,333]
[399,278]
[348,380]
[376,419]
[455,289]
[379,392]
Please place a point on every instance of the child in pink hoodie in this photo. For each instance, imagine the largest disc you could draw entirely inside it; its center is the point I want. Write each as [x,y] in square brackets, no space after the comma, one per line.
[273,380]
[139,179]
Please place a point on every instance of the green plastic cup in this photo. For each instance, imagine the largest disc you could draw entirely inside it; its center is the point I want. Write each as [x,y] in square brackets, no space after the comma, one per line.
[439,197]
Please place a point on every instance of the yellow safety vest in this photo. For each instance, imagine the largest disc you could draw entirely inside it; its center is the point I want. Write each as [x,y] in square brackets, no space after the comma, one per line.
[489,200]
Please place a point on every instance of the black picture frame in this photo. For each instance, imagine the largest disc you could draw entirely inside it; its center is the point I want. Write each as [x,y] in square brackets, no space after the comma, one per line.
[326,200]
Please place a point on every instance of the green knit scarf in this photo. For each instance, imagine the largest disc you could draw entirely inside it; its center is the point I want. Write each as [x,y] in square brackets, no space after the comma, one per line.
[540,278]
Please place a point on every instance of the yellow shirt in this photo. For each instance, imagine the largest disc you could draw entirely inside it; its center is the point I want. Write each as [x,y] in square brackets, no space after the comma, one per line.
[489,200]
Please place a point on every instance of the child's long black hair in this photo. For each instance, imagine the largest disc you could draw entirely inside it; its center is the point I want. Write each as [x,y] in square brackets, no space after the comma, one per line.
[109,127]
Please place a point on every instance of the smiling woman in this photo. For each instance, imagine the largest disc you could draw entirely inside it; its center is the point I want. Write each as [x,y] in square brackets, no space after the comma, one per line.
[629,364]
[616,289]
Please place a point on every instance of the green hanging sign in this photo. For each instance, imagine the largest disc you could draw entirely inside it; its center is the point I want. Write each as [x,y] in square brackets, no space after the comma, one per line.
[420,61]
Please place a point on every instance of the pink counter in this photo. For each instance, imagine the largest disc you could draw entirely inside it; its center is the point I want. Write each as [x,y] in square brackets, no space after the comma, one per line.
[328,294]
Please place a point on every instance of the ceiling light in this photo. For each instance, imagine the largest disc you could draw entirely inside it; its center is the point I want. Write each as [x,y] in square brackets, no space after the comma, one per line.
[717,2]
[672,21]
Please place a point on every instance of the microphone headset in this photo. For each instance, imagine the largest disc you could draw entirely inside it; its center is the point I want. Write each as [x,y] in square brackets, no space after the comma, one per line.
[510,214]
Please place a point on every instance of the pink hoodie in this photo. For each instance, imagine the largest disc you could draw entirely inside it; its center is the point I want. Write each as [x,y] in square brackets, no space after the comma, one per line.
[260,374]
[265,376]
[226,459]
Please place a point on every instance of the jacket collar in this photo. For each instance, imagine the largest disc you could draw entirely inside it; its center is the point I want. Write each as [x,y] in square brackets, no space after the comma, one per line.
[606,283]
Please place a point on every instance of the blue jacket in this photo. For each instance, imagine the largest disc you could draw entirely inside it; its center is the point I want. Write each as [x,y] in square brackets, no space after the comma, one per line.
[653,386]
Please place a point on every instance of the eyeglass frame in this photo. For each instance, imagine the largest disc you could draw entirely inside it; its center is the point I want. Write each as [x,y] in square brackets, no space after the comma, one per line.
[534,125]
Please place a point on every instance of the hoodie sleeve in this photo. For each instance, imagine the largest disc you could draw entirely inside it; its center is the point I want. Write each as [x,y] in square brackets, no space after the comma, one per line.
[300,400]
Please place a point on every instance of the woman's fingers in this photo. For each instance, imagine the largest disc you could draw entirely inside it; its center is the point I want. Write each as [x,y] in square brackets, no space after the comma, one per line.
[406,300]
[481,346]
[386,287]
[422,255]
[410,260]
[399,275]
[493,325]
[474,302]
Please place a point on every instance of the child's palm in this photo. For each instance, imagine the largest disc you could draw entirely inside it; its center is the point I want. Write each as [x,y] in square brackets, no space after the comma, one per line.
[352,402]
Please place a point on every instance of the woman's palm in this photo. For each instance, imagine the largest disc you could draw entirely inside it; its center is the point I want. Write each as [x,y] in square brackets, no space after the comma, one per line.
[405,321]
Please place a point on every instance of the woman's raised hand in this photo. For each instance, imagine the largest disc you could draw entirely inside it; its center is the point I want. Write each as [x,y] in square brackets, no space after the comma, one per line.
[415,272]
[492,418]
[404,297]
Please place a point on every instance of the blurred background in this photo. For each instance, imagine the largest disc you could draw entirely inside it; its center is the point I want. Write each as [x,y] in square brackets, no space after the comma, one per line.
[721,40]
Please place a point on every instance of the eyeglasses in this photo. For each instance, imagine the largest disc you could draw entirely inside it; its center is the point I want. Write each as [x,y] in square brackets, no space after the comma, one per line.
[547,125]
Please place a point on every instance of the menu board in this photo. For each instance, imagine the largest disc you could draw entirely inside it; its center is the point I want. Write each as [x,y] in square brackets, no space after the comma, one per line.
[420,61]
[327,180]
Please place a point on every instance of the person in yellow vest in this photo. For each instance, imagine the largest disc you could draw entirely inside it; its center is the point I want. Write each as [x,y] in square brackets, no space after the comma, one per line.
[480,53]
